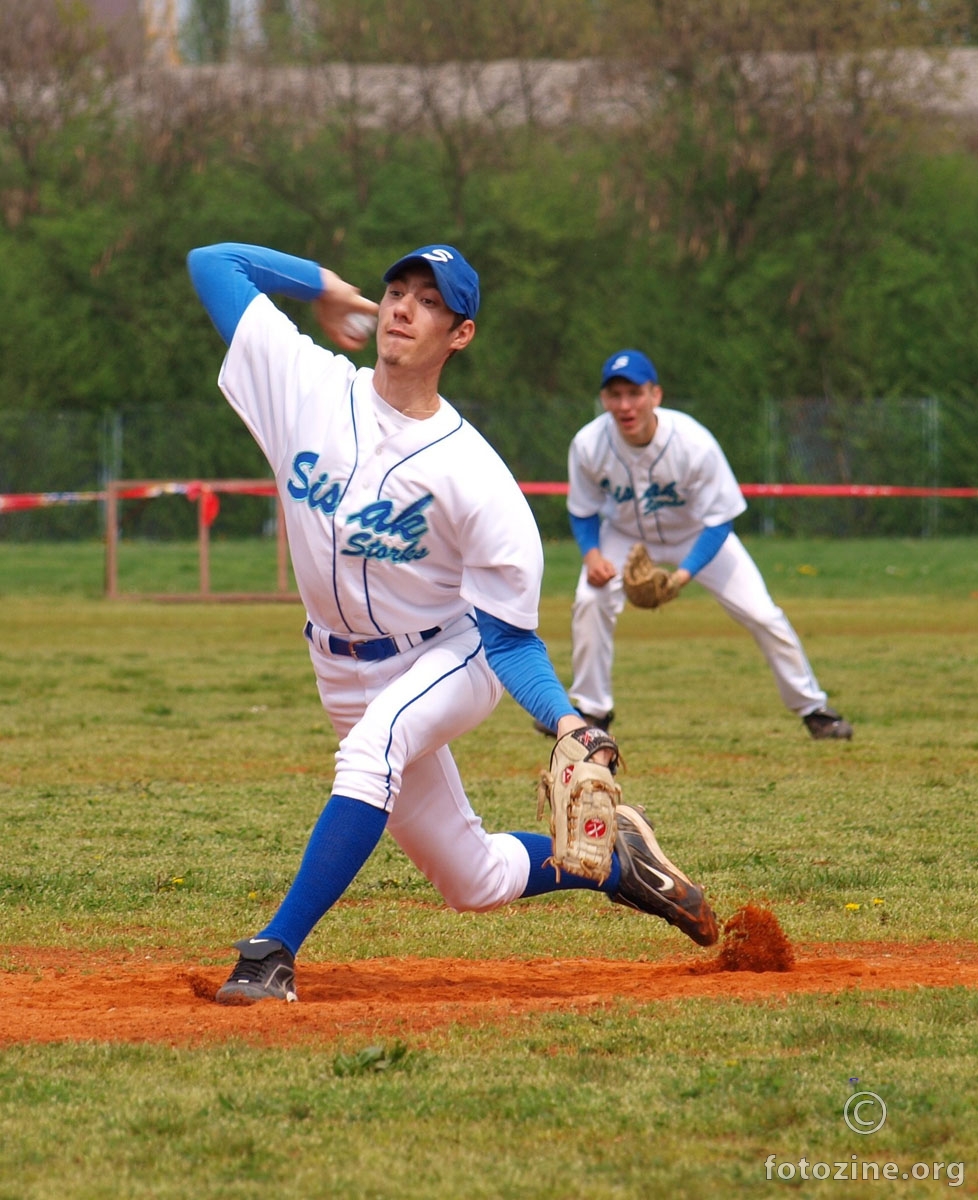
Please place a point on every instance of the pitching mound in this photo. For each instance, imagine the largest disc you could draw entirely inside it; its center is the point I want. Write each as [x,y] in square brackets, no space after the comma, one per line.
[49,995]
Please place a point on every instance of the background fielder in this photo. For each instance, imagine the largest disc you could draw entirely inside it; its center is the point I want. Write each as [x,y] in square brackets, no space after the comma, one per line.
[643,473]
[419,564]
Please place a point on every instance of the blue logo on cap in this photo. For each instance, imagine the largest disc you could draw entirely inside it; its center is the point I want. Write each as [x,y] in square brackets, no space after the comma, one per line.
[632,365]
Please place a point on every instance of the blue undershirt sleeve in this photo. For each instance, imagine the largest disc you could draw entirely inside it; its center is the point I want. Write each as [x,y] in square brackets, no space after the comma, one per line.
[520,660]
[228,276]
[705,547]
[586,531]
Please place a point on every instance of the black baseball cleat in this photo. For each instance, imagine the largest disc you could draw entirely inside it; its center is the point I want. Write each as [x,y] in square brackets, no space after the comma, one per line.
[598,722]
[827,723]
[265,971]
[652,884]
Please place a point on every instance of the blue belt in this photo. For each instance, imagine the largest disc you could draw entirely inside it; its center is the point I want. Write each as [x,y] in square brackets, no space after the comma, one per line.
[368,649]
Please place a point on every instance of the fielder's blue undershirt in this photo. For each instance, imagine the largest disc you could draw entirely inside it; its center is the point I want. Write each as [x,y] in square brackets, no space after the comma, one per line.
[705,548]
[587,534]
[586,531]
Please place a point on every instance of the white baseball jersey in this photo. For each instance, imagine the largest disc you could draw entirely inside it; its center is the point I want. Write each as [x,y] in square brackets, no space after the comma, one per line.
[395,525]
[665,492]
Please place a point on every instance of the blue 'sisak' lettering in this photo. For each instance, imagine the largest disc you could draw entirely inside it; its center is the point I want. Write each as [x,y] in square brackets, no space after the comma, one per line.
[653,498]
[620,495]
[383,534]
[316,494]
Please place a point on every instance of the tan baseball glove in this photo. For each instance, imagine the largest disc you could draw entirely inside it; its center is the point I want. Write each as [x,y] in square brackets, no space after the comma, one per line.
[646,584]
[582,795]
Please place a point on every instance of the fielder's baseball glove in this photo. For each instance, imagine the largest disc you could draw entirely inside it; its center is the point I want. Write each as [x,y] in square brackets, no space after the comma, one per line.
[582,795]
[646,584]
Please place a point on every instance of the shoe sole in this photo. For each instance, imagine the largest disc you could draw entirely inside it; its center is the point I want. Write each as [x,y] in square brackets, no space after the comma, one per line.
[241,995]
[700,925]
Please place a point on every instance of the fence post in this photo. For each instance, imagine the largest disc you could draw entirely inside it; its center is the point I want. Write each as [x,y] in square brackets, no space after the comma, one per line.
[111,540]
[203,545]
[281,546]
[770,417]
[932,440]
[110,467]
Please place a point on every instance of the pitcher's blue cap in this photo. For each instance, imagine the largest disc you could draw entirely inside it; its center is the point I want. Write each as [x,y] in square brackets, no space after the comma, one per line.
[631,365]
[457,281]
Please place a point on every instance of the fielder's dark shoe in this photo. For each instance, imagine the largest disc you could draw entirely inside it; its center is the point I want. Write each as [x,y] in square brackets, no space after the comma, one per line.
[652,884]
[599,722]
[265,971]
[827,723]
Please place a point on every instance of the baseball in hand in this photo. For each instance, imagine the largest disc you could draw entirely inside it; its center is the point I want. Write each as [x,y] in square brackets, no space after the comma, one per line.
[359,326]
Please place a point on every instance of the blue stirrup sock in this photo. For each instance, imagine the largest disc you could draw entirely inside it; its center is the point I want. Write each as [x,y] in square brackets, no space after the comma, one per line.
[341,841]
[544,879]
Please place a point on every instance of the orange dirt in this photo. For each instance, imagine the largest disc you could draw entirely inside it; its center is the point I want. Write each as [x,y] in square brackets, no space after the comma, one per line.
[51,995]
[754,941]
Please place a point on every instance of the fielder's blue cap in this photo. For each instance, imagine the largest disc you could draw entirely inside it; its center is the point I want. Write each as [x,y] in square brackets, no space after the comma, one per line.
[631,365]
[457,281]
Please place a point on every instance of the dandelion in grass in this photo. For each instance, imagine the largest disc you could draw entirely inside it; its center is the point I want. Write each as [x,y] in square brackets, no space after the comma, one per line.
[851,907]
[877,901]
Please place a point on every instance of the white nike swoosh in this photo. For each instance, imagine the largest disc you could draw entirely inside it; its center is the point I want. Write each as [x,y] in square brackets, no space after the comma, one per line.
[665,883]
[258,941]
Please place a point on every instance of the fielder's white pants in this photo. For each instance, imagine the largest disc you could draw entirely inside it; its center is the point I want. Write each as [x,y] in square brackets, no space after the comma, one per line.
[733,578]
[395,719]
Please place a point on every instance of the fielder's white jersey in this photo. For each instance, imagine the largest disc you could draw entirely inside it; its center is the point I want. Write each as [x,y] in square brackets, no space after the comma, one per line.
[395,526]
[665,492]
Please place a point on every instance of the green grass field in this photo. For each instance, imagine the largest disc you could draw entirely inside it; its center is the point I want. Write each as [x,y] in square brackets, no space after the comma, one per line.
[161,766]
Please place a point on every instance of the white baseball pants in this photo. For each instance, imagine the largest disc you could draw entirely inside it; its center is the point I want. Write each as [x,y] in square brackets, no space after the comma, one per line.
[395,719]
[733,578]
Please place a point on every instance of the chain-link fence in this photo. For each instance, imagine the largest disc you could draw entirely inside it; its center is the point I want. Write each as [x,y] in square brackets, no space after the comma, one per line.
[54,452]
[923,443]
[895,443]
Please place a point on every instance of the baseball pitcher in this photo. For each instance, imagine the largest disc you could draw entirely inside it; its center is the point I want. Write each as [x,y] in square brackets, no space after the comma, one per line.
[419,565]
